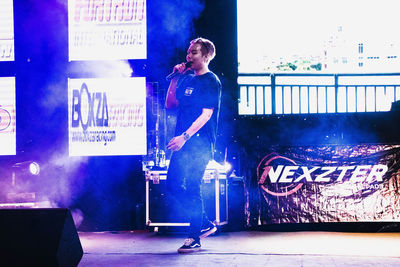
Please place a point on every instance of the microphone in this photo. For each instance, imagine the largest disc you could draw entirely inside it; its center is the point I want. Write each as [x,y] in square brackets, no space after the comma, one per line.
[176,72]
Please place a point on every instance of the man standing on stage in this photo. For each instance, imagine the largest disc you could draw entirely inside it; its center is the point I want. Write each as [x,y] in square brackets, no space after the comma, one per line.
[197,99]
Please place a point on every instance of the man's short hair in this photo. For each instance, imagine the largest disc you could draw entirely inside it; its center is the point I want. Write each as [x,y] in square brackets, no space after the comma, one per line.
[207,47]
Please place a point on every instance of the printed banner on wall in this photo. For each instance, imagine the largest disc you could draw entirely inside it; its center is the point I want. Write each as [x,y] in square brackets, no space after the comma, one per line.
[6,31]
[330,184]
[107,30]
[7,116]
[107,116]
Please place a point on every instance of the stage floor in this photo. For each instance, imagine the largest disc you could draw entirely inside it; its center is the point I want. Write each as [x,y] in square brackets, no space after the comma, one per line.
[247,248]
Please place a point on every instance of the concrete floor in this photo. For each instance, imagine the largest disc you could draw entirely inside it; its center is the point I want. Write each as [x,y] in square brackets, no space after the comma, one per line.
[248,248]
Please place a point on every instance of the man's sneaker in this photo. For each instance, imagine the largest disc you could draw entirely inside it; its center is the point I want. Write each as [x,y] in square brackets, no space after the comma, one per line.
[190,245]
[208,229]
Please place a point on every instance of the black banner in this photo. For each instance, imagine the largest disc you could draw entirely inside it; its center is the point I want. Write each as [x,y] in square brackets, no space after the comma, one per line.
[329,184]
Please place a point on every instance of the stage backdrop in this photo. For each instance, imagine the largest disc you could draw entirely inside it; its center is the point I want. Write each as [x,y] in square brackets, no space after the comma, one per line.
[357,183]
[107,116]
[7,116]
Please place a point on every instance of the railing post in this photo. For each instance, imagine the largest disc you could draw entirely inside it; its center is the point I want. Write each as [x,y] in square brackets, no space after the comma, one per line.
[272,75]
[336,91]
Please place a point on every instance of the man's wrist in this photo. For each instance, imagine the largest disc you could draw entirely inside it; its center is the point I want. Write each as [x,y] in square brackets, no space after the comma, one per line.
[186,136]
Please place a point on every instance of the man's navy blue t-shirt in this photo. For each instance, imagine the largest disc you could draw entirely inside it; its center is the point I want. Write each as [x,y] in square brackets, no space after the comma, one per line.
[195,93]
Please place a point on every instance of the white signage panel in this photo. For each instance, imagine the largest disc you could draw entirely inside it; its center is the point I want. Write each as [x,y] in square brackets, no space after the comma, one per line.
[107,116]
[6,31]
[107,29]
[7,116]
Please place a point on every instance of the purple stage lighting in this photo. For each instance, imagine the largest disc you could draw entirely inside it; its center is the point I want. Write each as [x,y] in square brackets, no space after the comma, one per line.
[34,168]
[30,167]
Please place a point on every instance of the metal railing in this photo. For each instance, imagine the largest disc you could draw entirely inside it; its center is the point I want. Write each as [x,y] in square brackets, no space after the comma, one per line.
[294,93]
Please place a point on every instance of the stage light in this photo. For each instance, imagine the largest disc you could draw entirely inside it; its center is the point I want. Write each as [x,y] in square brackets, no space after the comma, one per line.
[30,167]
[227,167]
[34,168]
[222,168]
[22,190]
[212,164]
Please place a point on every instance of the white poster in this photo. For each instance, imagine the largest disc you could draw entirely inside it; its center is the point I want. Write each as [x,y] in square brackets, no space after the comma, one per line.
[7,116]
[6,31]
[107,116]
[107,29]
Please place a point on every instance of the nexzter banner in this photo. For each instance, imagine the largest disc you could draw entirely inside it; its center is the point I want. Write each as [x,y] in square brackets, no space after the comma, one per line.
[330,184]
[7,116]
[107,116]
[107,29]
[275,179]
[6,31]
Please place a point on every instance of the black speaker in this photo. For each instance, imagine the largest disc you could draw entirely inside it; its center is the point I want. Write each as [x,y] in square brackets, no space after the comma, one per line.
[236,204]
[38,237]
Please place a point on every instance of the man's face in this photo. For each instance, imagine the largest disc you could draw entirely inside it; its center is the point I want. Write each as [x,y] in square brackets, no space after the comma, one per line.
[195,56]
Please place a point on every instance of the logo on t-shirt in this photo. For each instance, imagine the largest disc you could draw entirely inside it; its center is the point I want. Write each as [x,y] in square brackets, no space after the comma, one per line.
[189,91]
